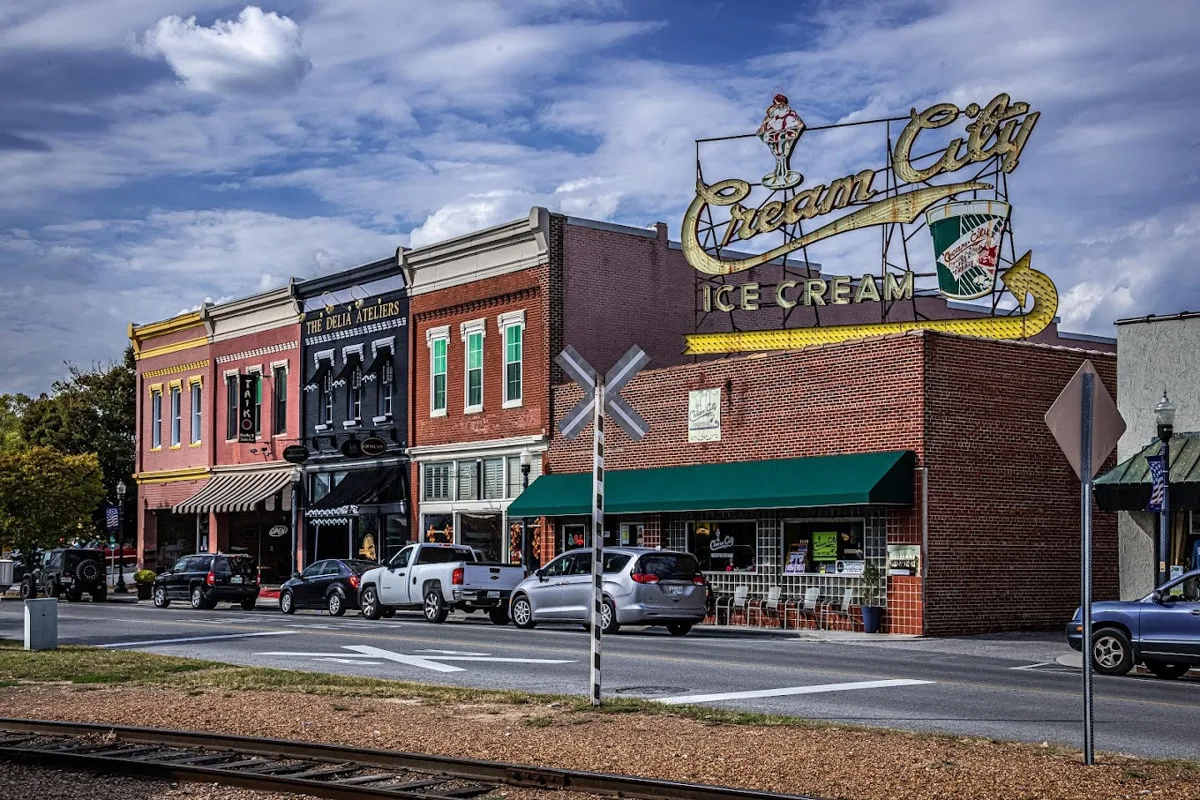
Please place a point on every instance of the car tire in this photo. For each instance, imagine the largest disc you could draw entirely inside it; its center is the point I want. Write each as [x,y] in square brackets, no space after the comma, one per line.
[434,606]
[249,603]
[371,609]
[53,589]
[498,616]
[287,603]
[28,589]
[679,628]
[1112,654]
[389,613]
[100,594]
[1169,672]
[74,595]
[88,571]
[336,604]
[197,598]
[522,612]
[610,626]
[160,597]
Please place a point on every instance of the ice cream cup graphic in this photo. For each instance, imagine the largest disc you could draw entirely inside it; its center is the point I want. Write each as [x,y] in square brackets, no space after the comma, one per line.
[966,242]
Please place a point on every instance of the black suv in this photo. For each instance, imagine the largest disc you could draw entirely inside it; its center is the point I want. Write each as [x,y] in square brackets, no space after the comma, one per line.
[206,579]
[69,571]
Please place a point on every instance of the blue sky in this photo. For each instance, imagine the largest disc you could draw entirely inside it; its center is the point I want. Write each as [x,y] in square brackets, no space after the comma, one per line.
[157,153]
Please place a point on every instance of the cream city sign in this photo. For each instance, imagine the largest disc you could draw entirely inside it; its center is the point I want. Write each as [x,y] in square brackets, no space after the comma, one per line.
[968,220]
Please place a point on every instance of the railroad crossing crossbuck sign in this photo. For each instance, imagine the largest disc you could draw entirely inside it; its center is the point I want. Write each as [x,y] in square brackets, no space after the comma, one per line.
[601,398]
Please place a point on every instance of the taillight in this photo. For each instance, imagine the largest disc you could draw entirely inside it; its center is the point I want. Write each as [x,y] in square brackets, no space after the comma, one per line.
[456,577]
[698,580]
[210,578]
[353,581]
[644,577]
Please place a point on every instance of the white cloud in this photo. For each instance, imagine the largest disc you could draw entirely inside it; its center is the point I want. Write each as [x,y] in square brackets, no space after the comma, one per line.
[455,219]
[259,53]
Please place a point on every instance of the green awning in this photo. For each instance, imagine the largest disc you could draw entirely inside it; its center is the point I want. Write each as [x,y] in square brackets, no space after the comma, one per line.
[1126,487]
[844,480]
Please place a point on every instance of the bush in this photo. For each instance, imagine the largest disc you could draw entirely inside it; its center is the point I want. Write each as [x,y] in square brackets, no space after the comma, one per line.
[144,576]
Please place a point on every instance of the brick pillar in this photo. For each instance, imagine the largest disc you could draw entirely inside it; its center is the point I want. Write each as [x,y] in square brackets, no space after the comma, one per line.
[147,537]
[218,532]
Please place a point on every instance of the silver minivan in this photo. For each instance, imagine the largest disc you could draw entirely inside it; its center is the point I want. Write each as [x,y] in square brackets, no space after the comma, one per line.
[642,586]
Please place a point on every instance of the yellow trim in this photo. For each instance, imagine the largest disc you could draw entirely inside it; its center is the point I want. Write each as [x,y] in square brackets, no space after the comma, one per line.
[164,326]
[166,349]
[195,444]
[154,387]
[176,446]
[194,365]
[195,379]
[172,475]
[156,449]
[177,384]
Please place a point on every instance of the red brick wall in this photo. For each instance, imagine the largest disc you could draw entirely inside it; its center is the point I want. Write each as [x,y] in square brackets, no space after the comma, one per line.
[232,452]
[1004,504]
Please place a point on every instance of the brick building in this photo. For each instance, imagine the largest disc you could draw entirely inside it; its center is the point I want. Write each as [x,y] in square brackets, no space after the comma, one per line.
[924,453]
[174,453]
[246,506]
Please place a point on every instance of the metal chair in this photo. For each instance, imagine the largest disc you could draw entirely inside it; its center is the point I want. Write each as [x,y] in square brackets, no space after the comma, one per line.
[842,611]
[735,602]
[771,606]
[810,609]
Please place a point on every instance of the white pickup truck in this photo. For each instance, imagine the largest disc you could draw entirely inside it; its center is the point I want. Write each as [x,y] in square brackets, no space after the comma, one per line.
[438,578]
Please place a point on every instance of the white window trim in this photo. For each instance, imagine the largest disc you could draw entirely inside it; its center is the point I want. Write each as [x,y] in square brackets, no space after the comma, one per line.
[325,355]
[356,349]
[505,321]
[441,333]
[194,382]
[466,330]
[389,343]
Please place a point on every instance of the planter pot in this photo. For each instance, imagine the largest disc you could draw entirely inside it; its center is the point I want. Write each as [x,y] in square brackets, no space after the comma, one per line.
[143,590]
[871,616]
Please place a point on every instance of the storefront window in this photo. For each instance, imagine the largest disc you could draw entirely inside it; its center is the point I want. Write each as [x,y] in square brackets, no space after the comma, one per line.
[485,533]
[726,546]
[823,546]
[631,534]
[438,528]
[574,536]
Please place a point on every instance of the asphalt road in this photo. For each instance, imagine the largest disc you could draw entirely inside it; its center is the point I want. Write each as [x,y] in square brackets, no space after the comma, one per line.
[999,690]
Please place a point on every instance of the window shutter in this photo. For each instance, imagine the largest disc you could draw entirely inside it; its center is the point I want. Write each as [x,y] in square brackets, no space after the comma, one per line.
[493,478]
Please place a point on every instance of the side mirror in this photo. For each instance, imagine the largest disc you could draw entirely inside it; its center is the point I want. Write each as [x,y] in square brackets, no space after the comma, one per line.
[1157,596]
[541,574]
[295,574]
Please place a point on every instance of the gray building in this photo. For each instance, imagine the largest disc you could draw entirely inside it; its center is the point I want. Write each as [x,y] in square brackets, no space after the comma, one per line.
[1155,354]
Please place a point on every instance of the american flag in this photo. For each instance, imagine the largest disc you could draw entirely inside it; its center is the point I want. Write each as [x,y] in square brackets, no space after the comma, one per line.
[1158,482]
[111,519]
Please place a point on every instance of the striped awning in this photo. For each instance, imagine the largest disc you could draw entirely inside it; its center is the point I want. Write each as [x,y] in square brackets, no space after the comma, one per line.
[236,491]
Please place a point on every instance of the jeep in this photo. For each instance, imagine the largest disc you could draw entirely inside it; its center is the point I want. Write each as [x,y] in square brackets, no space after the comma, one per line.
[68,571]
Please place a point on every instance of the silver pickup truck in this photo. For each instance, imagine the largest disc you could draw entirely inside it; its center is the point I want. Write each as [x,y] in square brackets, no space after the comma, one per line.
[438,578]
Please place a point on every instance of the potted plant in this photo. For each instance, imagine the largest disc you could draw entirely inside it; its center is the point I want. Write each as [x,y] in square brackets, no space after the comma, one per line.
[872,582]
[144,578]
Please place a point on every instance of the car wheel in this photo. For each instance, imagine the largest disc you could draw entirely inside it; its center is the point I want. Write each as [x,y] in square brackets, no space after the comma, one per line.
[608,617]
[679,628]
[1112,654]
[287,603]
[74,595]
[249,603]
[522,612]
[88,571]
[99,594]
[498,616]
[1169,672]
[337,604]
[197,598]
[28,589]
[370,603]
[160,597]
[53,589]
[435,606]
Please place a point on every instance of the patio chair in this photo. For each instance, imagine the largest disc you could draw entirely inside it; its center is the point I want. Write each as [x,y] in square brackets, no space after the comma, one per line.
[810,608]
[842,611]
[735,602]
[771,606]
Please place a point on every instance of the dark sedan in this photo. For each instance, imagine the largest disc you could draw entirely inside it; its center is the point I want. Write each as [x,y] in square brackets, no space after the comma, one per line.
[331,584]
[1161,631]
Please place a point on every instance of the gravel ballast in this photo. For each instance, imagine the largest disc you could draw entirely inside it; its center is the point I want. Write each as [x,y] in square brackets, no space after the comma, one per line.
[824,762]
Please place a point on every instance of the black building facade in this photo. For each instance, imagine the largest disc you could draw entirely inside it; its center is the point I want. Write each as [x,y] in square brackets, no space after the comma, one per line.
[354,387]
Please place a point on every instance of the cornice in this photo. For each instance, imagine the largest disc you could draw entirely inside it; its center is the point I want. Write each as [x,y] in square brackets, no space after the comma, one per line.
[167,349]
[193,365]
[140,333]
[504,248]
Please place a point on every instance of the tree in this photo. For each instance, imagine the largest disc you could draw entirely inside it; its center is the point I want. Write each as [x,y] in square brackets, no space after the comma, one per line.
[92,412]
[47,498]
[12,411]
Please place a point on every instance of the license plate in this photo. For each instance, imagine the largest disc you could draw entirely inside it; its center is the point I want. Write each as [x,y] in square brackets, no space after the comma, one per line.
[493,594]
[674,590]
[235,579]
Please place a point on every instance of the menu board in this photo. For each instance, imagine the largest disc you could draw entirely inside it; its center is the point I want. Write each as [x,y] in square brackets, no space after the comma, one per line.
[796,559]
[824,544]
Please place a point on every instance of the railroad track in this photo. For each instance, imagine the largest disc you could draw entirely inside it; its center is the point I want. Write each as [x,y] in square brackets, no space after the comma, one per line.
[321,770]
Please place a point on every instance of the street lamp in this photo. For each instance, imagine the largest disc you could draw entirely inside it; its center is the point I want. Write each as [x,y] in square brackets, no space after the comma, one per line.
[525,549]
[1164,418]
[121,588]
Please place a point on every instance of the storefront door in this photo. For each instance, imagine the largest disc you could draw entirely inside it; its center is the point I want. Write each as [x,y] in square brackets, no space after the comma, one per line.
[484,532]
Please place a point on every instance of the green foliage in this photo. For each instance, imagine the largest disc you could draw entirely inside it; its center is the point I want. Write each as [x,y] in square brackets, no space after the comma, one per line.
[872,583]
[12,410]
[92,412]
[144,576]
[47,497]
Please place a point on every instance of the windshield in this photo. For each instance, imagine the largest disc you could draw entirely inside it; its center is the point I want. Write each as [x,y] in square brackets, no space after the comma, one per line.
[358,566]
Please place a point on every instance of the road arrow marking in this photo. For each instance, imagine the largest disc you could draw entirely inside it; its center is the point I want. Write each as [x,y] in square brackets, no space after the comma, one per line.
[153,642]
[791,690]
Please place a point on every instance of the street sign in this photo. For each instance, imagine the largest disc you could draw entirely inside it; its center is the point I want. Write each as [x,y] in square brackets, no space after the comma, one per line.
[295,453]
[1064,417]
[373,446]
[601,398]
[1086,424]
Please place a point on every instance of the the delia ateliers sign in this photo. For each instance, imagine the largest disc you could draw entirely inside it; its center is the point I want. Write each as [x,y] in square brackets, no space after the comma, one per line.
[967,220]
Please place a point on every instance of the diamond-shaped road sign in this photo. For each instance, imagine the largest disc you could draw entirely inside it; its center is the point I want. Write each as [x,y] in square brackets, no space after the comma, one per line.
[1064,417]
[614,406]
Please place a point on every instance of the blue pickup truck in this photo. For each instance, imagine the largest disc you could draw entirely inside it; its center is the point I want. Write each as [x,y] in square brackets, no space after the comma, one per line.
[1160,631]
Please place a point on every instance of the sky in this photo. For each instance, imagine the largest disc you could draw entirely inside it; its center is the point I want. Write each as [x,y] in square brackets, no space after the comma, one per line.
[155,154]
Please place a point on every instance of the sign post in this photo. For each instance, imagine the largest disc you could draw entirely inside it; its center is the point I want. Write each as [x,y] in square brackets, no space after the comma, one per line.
[1086,424]
[601,397]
